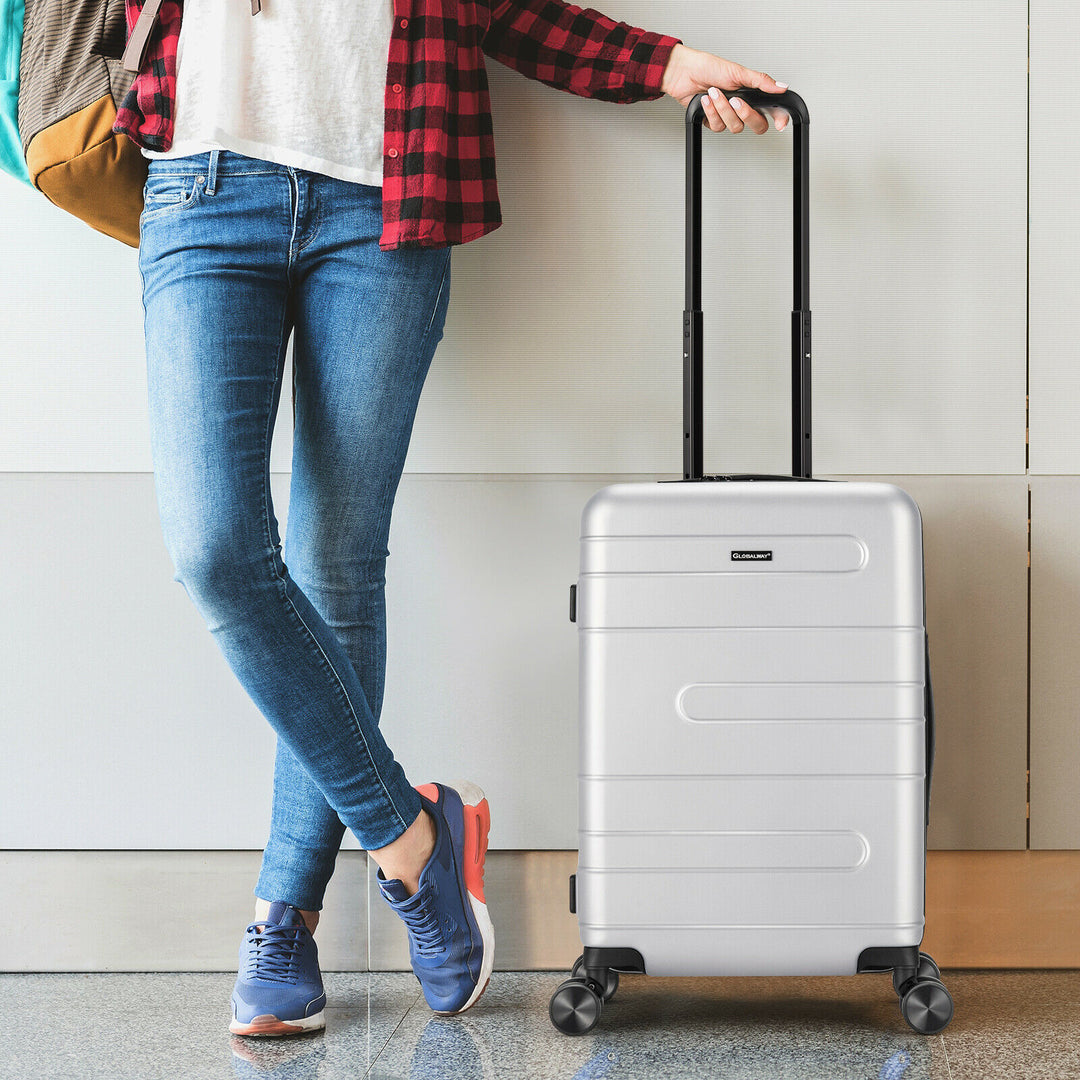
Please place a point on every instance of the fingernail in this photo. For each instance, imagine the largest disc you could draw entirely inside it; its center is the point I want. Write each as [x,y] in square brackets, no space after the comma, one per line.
[704,100]
[714,93]
[782,85]
[735,102]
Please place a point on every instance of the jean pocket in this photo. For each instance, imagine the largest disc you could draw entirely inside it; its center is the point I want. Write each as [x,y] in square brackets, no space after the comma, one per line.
[171,194]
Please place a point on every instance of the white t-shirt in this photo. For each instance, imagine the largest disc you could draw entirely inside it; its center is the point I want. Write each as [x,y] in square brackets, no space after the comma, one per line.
[300,84]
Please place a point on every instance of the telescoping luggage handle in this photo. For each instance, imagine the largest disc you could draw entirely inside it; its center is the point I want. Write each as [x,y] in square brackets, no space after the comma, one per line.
[800,316]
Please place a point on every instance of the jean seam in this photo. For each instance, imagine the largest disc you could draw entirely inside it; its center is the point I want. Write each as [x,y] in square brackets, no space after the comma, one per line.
[401,434]
[318,218]
[156,175]
[270,547]
[152,213]
[202,166]
[438,297]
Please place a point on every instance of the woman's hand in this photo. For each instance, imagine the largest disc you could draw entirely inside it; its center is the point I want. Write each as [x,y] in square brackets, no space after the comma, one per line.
[691,72]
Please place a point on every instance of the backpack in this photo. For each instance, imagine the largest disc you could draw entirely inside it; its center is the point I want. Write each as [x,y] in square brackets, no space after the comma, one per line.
[12,160]
[64,76]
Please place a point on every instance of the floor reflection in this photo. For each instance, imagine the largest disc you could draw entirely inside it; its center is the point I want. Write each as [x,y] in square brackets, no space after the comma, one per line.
[114,1026]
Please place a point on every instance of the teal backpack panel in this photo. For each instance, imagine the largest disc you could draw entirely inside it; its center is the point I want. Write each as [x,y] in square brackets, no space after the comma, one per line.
[12,159]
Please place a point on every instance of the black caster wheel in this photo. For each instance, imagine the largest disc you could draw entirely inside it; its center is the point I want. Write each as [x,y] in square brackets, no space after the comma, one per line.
[611,979]
[927,970]
[927,1006]
[575,1007]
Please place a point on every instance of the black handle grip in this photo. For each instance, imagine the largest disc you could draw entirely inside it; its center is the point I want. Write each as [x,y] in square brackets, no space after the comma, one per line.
[693,466]
[757,99]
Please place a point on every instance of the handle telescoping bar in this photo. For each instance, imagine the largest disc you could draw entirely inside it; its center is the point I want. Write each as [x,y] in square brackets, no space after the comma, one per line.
[693,390]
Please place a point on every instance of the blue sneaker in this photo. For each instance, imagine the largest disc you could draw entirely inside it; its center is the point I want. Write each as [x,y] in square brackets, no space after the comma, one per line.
[279,989]
[451,939]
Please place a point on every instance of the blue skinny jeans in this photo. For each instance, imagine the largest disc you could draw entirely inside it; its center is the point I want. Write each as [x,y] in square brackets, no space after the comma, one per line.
[235,254]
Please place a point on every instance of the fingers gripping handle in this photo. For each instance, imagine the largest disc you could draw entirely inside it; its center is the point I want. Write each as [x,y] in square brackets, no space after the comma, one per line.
[789,101]
[800,316]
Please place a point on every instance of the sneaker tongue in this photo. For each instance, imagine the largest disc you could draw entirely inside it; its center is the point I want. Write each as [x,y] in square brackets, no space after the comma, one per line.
[394,889]
[283,914]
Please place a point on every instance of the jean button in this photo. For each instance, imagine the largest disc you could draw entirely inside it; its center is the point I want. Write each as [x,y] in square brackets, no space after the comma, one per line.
[199,179]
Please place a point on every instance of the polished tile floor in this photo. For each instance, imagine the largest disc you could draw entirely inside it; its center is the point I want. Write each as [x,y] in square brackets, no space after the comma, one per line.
[1019,1025]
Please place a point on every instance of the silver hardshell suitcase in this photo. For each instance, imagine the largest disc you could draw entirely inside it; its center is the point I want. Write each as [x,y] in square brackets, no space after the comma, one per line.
[756,719]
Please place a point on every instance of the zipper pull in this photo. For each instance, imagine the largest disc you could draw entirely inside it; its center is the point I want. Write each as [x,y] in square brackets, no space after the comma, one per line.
[256,6]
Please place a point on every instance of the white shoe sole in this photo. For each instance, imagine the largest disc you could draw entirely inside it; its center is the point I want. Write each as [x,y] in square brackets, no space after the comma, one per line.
[472,795]
[269,1025]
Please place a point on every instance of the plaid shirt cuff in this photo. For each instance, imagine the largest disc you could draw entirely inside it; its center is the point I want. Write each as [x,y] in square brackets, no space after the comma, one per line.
[645,70]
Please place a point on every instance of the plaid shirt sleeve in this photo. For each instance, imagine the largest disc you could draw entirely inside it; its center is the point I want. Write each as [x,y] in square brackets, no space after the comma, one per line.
[146,113]
[578,50]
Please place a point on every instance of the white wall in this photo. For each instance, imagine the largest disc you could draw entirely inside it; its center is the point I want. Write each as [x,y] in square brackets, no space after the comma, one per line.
[559,372]
[562,352]
[1055,428]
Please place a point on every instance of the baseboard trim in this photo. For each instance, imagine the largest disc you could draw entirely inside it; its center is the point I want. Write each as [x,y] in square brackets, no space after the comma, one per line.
[1003,909]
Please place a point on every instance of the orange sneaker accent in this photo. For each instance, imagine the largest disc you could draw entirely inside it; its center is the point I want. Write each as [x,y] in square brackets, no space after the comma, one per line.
[429,791]
[477,824]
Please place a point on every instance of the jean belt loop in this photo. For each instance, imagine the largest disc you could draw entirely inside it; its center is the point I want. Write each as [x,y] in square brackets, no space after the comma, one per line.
[211,182]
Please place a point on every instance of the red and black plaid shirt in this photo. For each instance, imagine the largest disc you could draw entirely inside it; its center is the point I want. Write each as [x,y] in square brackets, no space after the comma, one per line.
[438,150]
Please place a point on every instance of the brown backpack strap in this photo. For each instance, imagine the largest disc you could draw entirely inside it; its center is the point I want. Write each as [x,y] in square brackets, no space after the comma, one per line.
[135,52]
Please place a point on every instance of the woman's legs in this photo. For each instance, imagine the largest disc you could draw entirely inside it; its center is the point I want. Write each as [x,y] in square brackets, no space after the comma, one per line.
[223,239]
[367,325]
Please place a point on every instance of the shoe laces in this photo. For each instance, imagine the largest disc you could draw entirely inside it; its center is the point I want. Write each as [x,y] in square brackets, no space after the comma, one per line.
[275,953]
[428,926]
